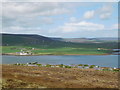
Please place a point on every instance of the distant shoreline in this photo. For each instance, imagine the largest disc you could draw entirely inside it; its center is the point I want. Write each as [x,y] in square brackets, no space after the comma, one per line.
[11,54]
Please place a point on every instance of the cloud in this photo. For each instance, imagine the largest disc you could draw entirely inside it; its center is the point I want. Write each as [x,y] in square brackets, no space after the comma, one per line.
[25,16]
[115,26]
[27,22]
[106,8]
[19,29]
[105,12]
[60,0]
[33,14]
[14,10]
[51,18]
[105,16]
[81,26]
[89,14]
[73,19]
[84,29]
[47,20]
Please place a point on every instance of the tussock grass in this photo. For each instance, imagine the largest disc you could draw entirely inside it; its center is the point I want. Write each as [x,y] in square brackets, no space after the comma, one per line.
[36,77]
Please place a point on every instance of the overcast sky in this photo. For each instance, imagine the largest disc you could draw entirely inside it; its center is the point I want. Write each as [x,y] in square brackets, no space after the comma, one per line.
[61,19]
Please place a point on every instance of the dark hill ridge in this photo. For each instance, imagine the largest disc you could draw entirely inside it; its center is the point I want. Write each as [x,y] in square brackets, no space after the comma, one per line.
[32,40]
[24,39]
[48,42]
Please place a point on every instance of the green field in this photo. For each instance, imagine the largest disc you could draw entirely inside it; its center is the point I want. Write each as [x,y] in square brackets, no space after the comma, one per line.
[54,51]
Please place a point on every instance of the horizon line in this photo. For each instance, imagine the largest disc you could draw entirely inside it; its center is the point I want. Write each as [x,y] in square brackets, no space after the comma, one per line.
[55,36]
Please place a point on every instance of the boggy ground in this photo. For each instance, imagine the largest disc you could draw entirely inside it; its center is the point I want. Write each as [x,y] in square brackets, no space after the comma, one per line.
[45,77]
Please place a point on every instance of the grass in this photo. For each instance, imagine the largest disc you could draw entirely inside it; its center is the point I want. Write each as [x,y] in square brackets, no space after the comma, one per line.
[54,51]
[47,77]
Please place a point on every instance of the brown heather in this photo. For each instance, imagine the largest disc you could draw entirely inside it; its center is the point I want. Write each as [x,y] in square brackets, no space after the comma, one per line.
[47,77]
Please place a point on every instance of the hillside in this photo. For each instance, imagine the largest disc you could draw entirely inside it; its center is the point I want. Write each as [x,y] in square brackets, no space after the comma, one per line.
[47,42]
[24,39]
[87,40]
[46,77]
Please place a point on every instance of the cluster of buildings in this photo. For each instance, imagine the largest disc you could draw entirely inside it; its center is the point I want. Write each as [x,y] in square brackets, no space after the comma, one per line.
[116,51]
[81,66]
[24,52]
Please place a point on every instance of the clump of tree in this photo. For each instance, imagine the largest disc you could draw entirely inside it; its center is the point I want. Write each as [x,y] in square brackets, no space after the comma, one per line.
[92,66]
[48,65]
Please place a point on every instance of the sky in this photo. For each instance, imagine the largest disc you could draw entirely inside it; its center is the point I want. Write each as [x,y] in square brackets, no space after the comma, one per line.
[61,19]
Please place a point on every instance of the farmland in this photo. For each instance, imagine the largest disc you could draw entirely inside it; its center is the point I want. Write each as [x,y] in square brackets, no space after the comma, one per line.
[55,51]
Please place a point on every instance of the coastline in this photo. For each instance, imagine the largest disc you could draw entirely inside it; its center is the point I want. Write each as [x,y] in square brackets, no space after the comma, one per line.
[78,66]
[13,54]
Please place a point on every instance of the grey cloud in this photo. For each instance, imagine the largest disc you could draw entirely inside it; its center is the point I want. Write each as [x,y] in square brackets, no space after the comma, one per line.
[32,14]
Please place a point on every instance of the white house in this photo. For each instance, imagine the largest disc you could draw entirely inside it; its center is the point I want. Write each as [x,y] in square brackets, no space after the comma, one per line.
[31,65]
[33,48]
[23,53]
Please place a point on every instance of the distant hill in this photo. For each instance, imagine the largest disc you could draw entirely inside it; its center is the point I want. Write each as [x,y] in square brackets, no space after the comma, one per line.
[48,42]
[87,40]
[32,40]
[24,39]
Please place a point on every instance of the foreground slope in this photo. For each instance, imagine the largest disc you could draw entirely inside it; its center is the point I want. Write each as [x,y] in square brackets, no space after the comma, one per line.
[44,77]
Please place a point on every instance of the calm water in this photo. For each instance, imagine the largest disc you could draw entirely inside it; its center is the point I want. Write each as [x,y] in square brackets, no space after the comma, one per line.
[106,60]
